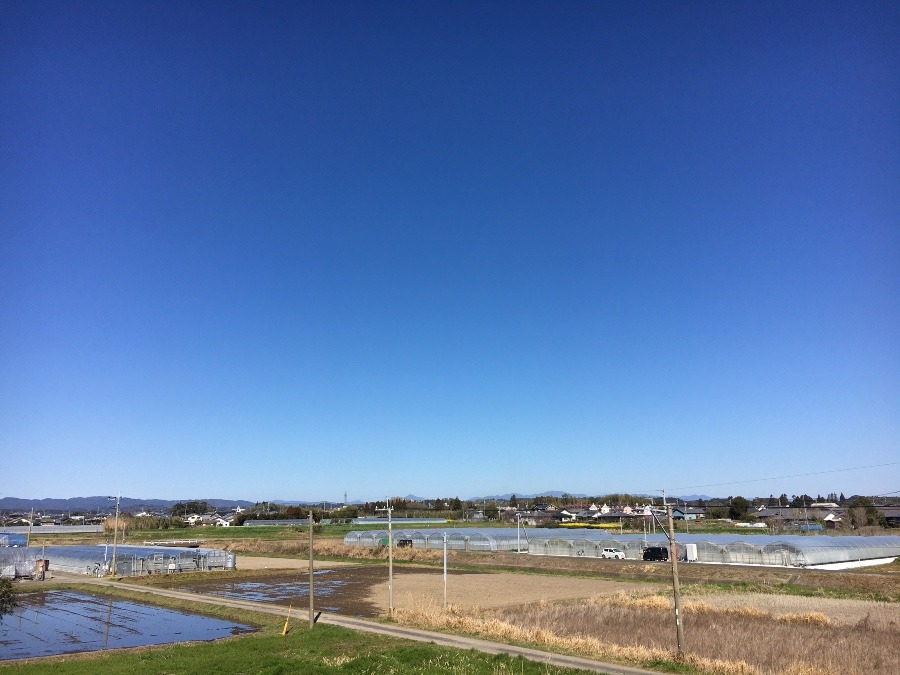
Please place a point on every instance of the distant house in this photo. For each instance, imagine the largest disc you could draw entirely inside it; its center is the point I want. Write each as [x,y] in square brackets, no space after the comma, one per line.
[891,514]
[795,516]
[537,518]
[215,520]
[832,521]
[688,513]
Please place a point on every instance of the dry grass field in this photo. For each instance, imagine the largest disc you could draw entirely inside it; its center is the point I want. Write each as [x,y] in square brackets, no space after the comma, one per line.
[737,637]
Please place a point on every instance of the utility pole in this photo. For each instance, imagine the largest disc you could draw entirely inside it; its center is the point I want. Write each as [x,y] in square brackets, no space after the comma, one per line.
[388,508]
[676,586]
[445,571]
[115,534]
[518,544]
[312,616]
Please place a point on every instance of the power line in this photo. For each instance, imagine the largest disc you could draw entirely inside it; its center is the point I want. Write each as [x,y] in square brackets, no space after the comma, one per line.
[795,475]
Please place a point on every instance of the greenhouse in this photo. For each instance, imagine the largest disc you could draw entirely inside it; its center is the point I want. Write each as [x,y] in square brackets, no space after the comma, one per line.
[462,539]
[17,562]
[797,550]
[12,539]
[130,560]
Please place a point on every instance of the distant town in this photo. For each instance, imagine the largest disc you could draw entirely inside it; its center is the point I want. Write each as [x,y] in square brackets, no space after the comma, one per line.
[612,511]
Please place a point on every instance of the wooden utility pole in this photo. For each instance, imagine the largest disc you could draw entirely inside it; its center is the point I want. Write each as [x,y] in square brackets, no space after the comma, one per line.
[115,535]
[388,508]
[676,586]
[390,565]
[312,616]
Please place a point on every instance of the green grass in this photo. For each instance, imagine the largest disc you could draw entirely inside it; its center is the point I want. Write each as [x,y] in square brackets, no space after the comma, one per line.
[324,650]
[834,592]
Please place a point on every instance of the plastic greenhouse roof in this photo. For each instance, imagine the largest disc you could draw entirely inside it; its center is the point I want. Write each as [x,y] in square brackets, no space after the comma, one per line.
[803,542]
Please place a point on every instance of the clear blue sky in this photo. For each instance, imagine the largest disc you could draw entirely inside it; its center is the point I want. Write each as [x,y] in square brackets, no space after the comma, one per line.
[292,250]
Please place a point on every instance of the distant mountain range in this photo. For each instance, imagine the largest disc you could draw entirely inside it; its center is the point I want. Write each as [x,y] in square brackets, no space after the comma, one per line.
[560,493]
[106,504]
[548,493]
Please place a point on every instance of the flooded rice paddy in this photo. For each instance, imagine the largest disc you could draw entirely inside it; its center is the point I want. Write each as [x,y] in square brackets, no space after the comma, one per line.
[62,622]
[343,590]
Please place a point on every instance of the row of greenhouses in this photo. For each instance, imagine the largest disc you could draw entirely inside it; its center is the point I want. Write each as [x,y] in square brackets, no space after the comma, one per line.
[129,560]
[786,550]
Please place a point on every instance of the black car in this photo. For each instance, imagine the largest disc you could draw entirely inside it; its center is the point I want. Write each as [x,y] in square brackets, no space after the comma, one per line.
[656,553]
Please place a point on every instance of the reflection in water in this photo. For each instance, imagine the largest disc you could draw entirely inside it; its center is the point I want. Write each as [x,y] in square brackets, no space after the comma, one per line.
[292,590]
[108,617]
[59,622]
[343,590]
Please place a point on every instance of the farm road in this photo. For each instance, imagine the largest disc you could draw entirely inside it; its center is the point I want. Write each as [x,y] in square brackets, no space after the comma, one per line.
[443,639]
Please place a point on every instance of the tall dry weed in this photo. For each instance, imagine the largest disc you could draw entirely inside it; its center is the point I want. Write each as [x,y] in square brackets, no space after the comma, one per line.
[497,629]
[639,628]
[808,618]
[658,602]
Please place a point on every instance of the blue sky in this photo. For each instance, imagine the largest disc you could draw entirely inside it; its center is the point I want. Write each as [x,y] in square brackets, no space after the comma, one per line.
[297,250]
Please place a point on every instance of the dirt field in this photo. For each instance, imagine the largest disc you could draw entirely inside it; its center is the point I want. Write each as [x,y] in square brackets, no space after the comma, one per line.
[417,587]
[364,588]
[497,589]
[250,562]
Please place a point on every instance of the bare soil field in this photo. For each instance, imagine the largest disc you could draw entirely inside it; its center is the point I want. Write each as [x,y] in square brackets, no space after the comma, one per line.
[414,590]
[415,587]
[877,583]
[251,562]
[362,590]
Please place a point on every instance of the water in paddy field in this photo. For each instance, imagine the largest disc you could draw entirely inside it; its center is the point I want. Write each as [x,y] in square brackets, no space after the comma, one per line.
[344,590]
[61,622]
[328,586]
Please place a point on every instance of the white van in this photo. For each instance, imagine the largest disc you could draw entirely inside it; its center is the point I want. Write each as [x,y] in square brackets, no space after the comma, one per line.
[614,553]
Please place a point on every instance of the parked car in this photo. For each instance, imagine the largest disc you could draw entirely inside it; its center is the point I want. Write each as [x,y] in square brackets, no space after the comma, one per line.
[614,553]
[656,553]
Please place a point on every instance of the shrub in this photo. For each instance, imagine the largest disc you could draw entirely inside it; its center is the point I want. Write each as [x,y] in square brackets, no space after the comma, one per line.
[7,597]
